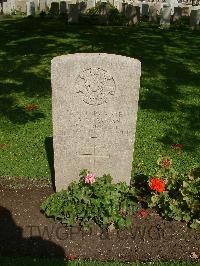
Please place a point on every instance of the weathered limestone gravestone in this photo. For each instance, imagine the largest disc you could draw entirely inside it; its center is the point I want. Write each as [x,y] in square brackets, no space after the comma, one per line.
[195,17]
[30,8]
[73,15]
[54,10]
[158,7]
[82,7]
[186,11]
[63,7]
[177,14]
[173,4]
[36,4]
[124,6]
[90,4]
[145,9]
[118,5]
[104,12]
[7,8]
[153,14]
[133,14]
[165,16]
[42,5]
[21,6]
[95,103]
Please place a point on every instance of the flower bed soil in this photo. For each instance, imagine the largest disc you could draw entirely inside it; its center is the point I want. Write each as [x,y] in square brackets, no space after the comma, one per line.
[25,231]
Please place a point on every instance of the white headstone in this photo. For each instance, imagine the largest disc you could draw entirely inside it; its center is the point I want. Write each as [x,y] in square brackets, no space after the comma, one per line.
[90,4]
[118,5]
[21,6]
[30,8]
[42,5]
[195,17]
[133,14]
[173,4]
[177,13]
[95,103]
[153,13]
[7,8]
[82,7]
[165,16]
[186,11]
[73,15]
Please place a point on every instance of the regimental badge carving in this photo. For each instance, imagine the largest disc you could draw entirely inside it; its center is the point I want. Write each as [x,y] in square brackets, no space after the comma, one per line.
[95,86]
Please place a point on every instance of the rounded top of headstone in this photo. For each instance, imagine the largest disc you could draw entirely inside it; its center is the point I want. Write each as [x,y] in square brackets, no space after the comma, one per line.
[95,56]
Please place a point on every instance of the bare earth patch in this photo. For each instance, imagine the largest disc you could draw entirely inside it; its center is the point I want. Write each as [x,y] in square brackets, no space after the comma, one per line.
[25,231]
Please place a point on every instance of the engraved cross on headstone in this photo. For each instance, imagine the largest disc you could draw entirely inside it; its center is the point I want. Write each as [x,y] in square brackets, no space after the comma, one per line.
[93,155]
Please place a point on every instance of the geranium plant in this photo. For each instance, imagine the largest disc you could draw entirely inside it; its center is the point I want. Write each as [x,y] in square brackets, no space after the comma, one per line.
[176,196]
[93,199]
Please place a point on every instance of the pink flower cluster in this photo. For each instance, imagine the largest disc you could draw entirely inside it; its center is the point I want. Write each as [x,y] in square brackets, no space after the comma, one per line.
[90,178]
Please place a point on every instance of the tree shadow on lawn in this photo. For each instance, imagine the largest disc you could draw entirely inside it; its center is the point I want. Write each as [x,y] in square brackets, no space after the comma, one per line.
[14,245]
[170,60]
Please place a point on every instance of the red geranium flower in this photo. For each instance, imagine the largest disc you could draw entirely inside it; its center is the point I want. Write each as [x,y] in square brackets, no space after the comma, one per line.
[166,163]
[71,257]
[31,106]
[177,146]
[157,184]
[143,213]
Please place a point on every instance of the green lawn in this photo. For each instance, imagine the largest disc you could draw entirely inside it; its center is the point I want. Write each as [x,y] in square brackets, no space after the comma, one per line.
[56,262]
[169,107]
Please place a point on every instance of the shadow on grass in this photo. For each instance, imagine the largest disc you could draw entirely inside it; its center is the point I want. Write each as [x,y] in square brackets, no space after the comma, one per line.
[14,245]
[50,158]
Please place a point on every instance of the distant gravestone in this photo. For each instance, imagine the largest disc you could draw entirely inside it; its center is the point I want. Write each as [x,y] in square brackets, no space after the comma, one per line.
[63,7]
[54,10]
[158,7]
[132,14]
[177,14]
[173,4]
[165,16]
[118,5]
[7,8]
[103,8]
[21,6]
[82,7]
[30,8]
[124,6]
[153,14]
[48,3]
[186,11]
[95,103]
[145,9]
[195,17]
[104,12]
[36,4]
[42,5]
[73,15]
[90,4]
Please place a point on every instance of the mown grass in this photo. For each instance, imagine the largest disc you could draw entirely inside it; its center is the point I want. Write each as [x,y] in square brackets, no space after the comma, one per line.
[58,262]
[169,106]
